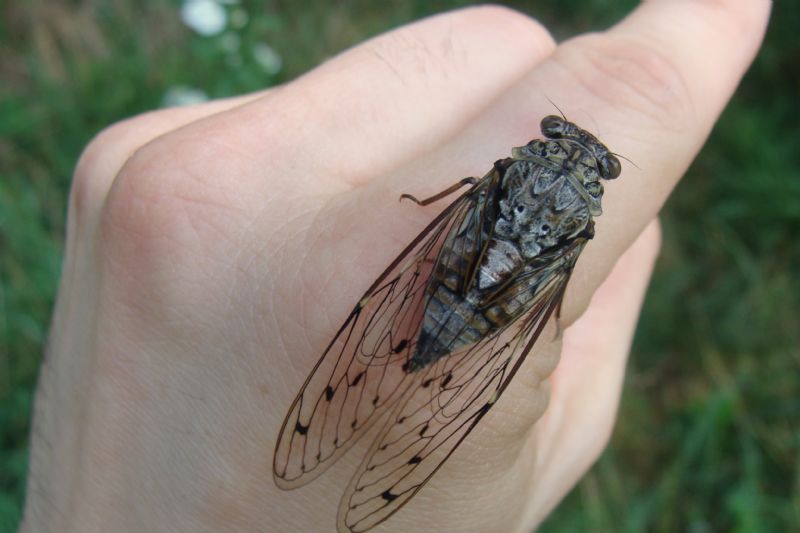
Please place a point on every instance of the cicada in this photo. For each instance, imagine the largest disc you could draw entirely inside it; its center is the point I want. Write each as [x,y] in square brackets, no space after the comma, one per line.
[437,338]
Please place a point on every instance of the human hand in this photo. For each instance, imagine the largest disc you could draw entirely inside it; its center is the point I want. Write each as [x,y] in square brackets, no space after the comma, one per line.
[213,251]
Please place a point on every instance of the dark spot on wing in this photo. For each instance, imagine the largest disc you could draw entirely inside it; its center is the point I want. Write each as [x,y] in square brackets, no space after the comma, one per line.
[400,346]
[446,379]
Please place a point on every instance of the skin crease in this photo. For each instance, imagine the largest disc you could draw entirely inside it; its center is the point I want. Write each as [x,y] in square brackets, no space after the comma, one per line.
[213,251]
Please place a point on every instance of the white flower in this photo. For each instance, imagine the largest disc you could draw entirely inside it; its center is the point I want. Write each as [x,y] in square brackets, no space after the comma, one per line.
[268,58]
[206,17]
[181,95]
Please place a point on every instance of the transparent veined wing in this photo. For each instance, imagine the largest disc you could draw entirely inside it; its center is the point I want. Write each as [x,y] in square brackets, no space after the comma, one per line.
[436,414]
[363,370]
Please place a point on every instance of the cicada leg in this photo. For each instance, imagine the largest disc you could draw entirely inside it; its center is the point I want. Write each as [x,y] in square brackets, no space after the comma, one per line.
[448,191]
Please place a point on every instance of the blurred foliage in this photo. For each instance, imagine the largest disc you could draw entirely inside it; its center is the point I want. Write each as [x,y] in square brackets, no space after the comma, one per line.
[708,434]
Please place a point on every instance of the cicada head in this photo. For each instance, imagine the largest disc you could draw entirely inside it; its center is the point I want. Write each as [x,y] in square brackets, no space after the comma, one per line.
[555,127]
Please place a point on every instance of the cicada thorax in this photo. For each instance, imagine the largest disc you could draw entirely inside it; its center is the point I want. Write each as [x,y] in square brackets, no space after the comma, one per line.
[485,278]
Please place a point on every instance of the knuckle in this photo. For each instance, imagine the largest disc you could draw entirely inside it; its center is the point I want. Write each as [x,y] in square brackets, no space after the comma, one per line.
[631,74]
[161,200]
[162,236]
[104,156]
[96,168]
[134,206]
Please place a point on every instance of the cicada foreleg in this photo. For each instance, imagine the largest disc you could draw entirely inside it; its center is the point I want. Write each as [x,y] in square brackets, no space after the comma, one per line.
[447,192]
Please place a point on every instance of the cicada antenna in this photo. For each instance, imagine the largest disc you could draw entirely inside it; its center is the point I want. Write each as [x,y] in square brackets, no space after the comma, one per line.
[626,159]
[597,126]
[558,108]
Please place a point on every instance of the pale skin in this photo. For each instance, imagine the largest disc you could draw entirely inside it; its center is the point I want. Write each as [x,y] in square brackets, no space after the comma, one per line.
[213,251]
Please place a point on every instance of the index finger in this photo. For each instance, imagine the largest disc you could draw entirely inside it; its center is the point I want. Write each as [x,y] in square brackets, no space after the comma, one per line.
[653,86]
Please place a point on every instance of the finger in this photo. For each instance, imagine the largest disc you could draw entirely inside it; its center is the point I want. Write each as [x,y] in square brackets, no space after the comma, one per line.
[586,385]
[661,115]
[376,105]
[653,97]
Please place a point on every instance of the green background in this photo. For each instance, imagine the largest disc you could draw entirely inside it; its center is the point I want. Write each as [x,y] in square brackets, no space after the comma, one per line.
[707,438]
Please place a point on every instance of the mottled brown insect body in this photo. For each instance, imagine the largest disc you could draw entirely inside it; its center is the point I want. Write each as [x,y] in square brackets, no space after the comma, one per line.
[544,199]
[437,338]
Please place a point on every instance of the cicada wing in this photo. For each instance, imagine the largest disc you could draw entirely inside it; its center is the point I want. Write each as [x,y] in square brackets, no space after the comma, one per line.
[362,372]
[439,411]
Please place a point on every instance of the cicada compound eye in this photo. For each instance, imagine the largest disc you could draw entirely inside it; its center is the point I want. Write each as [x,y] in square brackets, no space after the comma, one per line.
[610,167]
[553,126]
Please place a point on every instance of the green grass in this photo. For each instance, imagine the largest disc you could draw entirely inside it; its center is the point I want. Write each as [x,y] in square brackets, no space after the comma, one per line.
[708,434]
